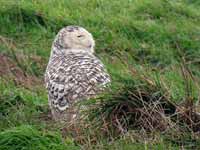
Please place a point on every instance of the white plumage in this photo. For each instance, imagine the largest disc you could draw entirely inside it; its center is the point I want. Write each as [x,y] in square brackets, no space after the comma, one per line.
[73,72]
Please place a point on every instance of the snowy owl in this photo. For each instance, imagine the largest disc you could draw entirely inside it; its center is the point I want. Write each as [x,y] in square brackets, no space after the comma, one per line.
[73,72]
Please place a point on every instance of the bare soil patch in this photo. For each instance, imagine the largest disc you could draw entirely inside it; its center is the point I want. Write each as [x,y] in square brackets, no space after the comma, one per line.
[10,71]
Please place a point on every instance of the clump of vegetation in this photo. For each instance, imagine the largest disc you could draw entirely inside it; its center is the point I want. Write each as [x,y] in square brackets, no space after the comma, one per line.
[28,138]
[135,105]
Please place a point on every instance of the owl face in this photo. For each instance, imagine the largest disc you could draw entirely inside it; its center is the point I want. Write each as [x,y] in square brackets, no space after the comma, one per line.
[75,37]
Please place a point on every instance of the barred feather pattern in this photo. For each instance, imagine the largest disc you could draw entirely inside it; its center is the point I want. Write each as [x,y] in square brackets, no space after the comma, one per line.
[74,77]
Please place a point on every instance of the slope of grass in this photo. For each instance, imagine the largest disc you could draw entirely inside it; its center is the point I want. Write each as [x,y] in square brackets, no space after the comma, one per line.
[154,37]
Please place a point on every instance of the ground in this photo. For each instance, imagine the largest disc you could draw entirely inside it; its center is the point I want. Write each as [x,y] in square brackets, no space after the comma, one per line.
[156,37]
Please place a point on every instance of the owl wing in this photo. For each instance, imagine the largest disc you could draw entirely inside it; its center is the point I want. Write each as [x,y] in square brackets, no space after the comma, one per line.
[74,77]
[55,83]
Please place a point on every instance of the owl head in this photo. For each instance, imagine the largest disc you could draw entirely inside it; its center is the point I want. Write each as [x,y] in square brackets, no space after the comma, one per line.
[74,38]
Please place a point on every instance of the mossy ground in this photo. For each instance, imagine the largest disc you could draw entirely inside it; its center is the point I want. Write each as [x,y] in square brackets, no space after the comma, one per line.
[155,37]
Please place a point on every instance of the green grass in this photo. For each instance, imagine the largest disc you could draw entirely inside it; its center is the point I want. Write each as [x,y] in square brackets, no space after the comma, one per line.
[28,138]
[152,36]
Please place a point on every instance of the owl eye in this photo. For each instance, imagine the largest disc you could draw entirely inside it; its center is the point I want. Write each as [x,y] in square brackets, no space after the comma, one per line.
[80,36]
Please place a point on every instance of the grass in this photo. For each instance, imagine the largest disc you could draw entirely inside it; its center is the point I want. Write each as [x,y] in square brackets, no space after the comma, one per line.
[28,138]
[155,37]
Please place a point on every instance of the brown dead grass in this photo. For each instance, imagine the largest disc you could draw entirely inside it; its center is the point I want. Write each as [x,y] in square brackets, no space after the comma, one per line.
[9,70]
